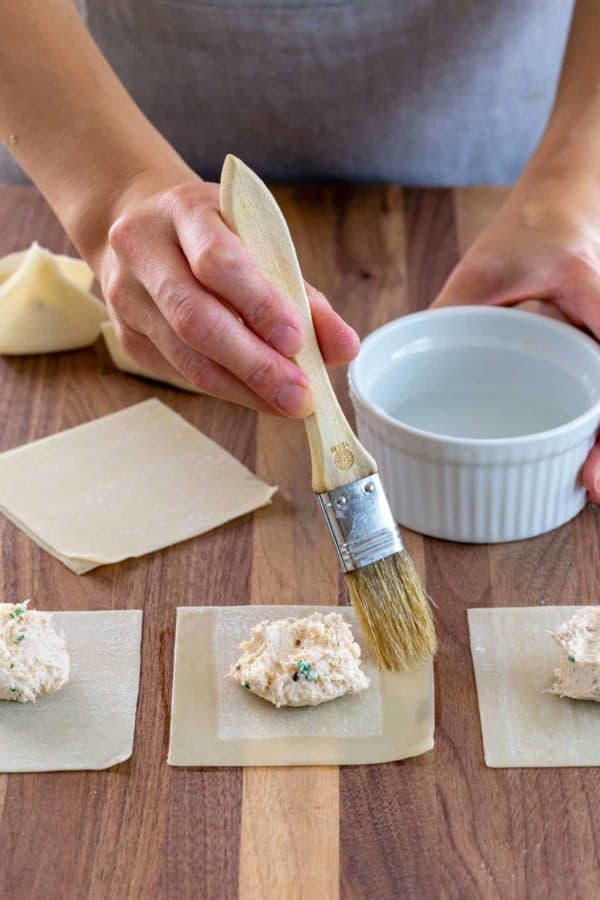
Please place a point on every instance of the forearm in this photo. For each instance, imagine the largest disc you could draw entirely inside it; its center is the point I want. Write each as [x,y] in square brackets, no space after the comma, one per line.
[571,141]
[68,120]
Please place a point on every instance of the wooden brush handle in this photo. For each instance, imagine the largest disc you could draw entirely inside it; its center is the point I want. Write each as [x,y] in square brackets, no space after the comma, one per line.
[250,210]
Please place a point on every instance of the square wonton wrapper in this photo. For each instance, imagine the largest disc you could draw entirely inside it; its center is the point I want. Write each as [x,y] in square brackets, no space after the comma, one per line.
[214,722]
[90,723]
[514,657]
[124,485]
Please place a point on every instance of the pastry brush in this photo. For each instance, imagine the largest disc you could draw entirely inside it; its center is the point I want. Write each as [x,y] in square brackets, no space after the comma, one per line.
[380,575]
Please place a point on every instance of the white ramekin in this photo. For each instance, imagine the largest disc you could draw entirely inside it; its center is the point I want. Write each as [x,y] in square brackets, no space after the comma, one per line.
[479,489]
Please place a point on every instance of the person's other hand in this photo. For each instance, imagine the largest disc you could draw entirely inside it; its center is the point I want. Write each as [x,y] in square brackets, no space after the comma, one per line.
[186,299]
[541,253]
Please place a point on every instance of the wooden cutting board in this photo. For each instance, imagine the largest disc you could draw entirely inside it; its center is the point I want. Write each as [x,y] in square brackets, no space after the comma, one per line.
[439,826]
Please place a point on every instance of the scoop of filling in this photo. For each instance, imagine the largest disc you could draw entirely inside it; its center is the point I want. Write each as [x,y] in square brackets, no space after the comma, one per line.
[33,656]
[301,662]
[579,673]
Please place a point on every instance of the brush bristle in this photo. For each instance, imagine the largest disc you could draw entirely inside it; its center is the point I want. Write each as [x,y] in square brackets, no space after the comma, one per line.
[393,611]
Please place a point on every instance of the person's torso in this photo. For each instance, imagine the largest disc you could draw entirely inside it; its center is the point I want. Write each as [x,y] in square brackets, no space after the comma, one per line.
[421,91]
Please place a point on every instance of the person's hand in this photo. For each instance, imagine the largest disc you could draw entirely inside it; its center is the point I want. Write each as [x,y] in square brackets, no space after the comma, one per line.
[541,253]
[186,299]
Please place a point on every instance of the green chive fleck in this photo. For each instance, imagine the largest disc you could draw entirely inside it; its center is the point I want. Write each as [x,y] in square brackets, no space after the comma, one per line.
[14,690]
[17,611]
[306,671]
[246,685]
[19,638]
[571,658]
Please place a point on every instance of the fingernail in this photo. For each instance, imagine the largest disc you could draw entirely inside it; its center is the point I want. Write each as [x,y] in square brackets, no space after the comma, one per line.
[286,339]
[294,399]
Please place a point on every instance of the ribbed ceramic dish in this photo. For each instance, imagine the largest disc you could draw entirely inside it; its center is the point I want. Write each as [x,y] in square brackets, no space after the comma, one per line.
[480,420]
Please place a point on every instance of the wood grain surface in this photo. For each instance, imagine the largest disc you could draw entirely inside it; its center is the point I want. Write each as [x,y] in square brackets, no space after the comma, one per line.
[442,825]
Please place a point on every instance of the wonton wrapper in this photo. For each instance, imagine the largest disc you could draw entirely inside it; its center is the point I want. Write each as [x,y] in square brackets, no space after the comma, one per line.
[90,722]
[514,657]
[124,485]
[44,310]
[215,722]
[124,362]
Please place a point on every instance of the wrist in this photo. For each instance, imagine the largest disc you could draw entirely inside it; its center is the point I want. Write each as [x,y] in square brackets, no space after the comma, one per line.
[89,217]
[570,146]
[561,169]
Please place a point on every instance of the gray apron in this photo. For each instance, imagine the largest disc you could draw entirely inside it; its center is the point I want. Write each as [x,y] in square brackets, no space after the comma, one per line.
[420,91]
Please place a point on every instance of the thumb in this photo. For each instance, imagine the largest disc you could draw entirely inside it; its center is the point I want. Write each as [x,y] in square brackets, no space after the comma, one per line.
[591,474]
[339,342]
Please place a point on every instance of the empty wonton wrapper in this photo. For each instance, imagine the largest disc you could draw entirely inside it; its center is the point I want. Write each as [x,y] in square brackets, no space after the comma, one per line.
[44,307]
[90,722]
[514,656]
[123,361]
[215,722]
[124,485]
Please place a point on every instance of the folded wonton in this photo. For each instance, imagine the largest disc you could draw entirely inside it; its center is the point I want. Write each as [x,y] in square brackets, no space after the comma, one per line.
[76,270]
[47,306]
[45,303]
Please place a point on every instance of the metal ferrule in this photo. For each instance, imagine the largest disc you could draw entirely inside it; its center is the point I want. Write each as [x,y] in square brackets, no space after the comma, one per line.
[360,522]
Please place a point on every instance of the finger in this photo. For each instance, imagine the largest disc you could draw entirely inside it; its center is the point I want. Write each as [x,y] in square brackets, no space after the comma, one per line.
[144,352]
[339,342]
[201,372]
[463,288]
[591,474]
[580,299]
[128,303]
[208,327]
[542,308]
[483,278]
[143,332]
[220,263]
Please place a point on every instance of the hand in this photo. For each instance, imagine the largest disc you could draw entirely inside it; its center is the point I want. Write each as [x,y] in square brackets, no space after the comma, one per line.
[185,298]
[541,252]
